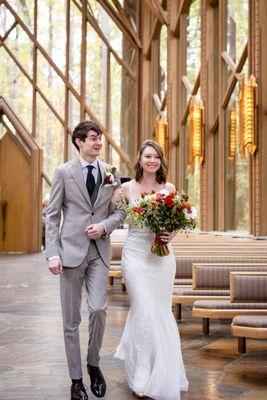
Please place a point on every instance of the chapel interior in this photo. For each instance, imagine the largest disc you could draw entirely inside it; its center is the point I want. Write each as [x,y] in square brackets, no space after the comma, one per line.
[190,74]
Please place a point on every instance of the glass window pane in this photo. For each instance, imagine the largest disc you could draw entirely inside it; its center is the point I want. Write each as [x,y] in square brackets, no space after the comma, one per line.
[50,137]
[193,41]
[51,30]
[6,20]
[51,85]
[75,46]
[16,89]
[163,62]
[96,74]
[237,172]
[19,43]
[237,27]
[25,10]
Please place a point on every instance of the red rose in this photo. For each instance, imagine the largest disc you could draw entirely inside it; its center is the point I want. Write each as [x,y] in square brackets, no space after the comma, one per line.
[168,200]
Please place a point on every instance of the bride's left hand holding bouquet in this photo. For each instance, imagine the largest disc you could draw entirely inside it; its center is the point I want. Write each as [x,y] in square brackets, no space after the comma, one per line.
[162,212]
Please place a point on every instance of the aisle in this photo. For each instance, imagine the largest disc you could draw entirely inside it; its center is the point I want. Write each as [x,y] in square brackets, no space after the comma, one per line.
[32,356]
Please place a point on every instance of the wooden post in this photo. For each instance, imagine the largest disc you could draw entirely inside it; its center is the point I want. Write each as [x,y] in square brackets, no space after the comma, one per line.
[209,94]
[83,59]
[206,326]
[34,79]
[258,55]
[242,344]
[66,150]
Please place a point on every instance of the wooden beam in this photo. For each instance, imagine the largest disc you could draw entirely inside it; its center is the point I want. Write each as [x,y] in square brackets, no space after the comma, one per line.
[128,25]
[61,120]
[163,103]
[229,61]
[62,76]
[154,35]
[34,72]
[187,84]
[184,9]
[157,10]
[67,67]
[3,38]
[48,181]
[215,125]
[17,124]
[161,11]
[111,140]
[118,21]
[108,100]
[42,50]
[193,92]
[93,22]
[235,77]
[83,60]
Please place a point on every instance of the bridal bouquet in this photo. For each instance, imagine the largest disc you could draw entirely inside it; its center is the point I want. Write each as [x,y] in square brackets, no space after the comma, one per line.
[162,212]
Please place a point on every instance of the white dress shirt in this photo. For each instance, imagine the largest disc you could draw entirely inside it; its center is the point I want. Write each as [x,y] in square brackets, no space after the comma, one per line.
[84,165]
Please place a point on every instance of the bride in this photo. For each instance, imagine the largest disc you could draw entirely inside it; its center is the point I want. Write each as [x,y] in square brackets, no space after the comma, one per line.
[150,344]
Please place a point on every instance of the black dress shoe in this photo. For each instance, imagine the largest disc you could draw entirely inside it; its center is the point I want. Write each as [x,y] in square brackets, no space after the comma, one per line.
[98,383]
[78,391]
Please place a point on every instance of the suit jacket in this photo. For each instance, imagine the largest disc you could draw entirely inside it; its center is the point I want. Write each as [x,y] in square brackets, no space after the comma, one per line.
[70,210]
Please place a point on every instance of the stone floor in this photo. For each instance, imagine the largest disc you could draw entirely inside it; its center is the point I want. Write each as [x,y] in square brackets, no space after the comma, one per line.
[32,357]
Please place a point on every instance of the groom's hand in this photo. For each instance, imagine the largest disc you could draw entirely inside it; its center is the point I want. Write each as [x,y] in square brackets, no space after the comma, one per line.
[95,231]
[55,266]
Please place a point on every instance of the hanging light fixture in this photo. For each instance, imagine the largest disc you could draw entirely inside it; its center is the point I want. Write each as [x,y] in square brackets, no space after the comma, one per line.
[247,115]
[195,131]
[161,133]
[232,144]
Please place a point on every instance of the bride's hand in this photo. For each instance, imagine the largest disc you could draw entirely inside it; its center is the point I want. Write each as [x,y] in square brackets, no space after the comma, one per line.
[117,196]
[168,237]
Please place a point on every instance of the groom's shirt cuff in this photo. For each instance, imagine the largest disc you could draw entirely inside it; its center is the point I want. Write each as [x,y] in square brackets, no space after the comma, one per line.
[53,258]
[104,234]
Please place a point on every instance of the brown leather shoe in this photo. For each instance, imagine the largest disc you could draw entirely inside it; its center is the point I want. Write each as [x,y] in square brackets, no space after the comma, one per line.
[98,383]
[78,391]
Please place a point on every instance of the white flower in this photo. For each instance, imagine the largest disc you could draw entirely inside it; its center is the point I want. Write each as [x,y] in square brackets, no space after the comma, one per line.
[109,175]
[190,214]
[164,192]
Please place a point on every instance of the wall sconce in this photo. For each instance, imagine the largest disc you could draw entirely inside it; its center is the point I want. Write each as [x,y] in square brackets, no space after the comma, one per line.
[195,132]
[247,115]
[161,133]
[232,144]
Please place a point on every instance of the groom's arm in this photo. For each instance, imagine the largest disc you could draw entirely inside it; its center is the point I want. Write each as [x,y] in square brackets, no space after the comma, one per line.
[106,226]
[117,217]
[53,215]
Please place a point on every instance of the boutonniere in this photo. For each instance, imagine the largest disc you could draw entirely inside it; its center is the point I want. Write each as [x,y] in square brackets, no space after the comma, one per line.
[109,175]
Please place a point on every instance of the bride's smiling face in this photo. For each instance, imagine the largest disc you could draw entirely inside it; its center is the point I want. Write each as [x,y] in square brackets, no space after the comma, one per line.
[150,160]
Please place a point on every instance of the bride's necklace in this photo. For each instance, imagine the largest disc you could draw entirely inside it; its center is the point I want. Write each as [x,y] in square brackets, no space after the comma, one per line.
[148,187]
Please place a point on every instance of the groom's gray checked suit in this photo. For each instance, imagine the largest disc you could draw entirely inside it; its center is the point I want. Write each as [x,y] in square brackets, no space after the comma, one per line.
[83,260]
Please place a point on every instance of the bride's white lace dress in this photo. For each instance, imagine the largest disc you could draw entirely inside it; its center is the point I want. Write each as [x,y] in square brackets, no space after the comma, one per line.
[150,344]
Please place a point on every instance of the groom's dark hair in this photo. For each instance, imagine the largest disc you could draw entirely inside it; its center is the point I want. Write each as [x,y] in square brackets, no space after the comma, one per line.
[82,129]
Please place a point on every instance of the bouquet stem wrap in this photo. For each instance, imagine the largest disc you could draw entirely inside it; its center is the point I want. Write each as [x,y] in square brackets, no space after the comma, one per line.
[159,247]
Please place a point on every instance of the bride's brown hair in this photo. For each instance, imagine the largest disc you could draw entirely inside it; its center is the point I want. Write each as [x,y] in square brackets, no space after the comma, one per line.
[161,174]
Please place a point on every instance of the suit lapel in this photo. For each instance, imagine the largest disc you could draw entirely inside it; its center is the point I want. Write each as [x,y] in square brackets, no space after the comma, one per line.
[75,169]
[102,171]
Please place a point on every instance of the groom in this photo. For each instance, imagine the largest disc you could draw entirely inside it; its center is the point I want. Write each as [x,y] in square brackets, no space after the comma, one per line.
[78,247]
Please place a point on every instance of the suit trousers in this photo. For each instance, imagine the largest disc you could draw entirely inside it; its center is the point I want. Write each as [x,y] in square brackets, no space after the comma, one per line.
[94,274]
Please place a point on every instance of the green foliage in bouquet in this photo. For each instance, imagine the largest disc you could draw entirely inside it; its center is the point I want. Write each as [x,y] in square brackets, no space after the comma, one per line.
[162,212]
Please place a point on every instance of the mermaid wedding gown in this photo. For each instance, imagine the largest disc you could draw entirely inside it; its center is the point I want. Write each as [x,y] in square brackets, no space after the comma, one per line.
[150,344]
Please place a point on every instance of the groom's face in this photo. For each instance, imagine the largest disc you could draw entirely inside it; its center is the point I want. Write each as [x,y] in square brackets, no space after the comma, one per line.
[92,145]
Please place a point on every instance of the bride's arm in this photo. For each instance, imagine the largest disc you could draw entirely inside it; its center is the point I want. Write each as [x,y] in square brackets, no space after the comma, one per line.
[169,236]
[120,194]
